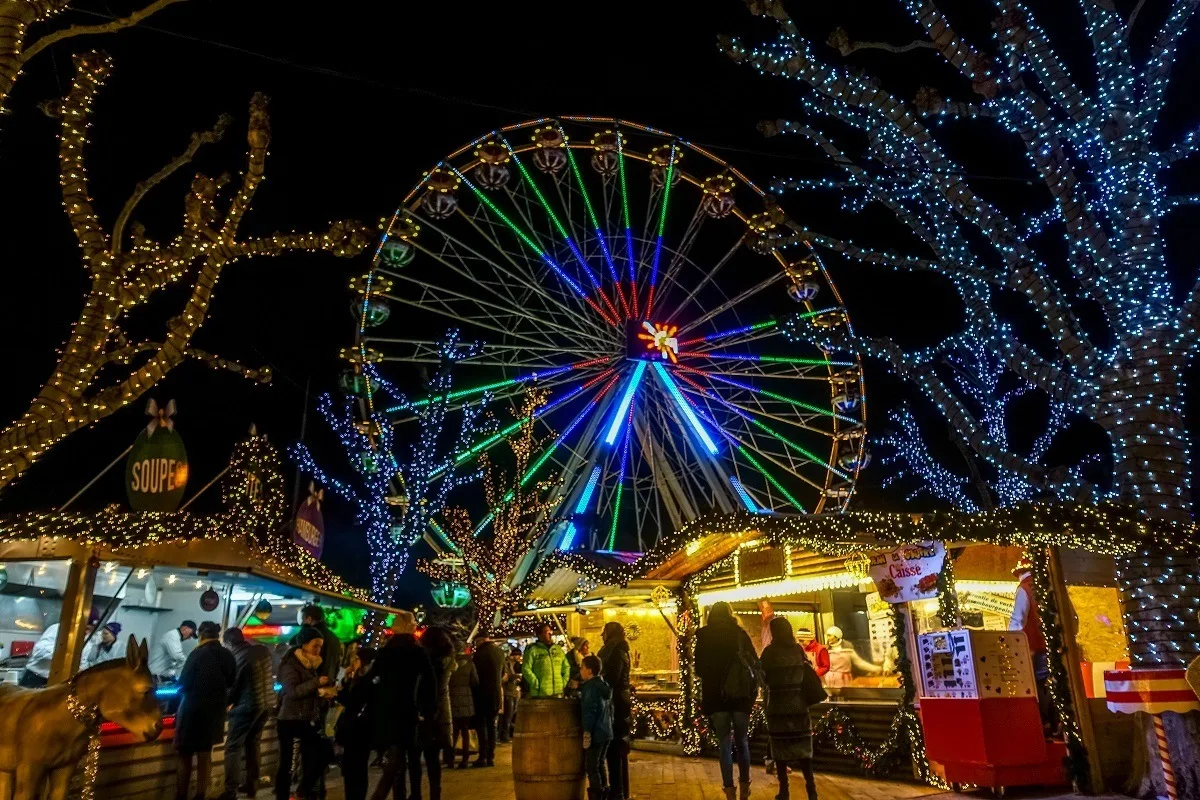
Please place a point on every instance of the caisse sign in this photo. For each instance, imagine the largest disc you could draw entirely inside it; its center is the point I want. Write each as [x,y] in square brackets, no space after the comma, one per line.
[156,472]
[909,572]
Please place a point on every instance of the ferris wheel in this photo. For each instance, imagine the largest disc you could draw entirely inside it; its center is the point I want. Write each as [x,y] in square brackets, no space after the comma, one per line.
[637,279]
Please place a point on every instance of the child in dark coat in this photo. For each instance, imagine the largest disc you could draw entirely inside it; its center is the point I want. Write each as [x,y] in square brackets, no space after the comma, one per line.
[596,704]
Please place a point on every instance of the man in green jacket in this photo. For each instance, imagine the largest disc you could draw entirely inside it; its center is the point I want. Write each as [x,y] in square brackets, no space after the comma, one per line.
[546,668]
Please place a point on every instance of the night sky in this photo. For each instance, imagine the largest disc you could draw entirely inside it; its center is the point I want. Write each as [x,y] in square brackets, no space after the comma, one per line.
[364,98]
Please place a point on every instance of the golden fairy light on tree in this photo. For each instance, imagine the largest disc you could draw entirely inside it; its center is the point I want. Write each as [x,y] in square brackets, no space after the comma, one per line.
[519,515]
[99,370]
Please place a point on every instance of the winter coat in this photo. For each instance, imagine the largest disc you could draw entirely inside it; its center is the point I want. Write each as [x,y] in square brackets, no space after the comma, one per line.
[511,678]
[596,706]
[545,670]
[203,684]
[404,687]
[437,730]
[717,646]
[354,724]
[253,690]
[783,667]
[489,664]
[463,684]
[331,650]
[614,668]
[167,658]
[300,675]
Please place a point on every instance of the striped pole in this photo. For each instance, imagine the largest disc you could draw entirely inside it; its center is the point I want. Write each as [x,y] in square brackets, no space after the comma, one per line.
[1164,754]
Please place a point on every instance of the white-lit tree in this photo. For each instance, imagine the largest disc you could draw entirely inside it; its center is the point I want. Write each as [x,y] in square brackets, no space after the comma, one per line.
[100,370]
[1094,250]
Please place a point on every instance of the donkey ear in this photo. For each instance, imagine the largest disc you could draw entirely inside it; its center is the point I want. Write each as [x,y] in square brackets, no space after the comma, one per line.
[144,649]
[133,655]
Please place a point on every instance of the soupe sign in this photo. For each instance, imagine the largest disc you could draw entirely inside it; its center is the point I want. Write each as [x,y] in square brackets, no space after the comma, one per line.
[909,572]
[157,469]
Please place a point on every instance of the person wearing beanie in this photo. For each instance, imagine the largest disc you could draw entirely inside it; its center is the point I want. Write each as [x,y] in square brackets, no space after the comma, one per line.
[108,648]
[489,697]
[250,702]
[404,691]
[304,686]
[204,685]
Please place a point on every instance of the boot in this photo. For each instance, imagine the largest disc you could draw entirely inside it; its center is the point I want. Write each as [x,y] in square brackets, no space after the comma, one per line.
[730,793]
[744,790]
[811,786]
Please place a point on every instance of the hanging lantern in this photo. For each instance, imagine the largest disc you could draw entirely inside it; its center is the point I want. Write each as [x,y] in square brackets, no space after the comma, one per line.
[355,383]
[440,200]
[395,252]
[450,594]
[660,158]
[606,160]
[549,156]
[858,564]
[718,195]
[763,235]
[803,291]
[209,600]
[847,401]
[374,312]
[263,610]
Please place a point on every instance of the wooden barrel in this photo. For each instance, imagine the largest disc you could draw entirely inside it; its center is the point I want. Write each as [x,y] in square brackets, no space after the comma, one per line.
[547,756]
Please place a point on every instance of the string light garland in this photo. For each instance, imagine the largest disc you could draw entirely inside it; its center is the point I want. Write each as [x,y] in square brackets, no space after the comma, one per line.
[99,371]
[254,495]
[518,514]
[396,501]
[1102,176]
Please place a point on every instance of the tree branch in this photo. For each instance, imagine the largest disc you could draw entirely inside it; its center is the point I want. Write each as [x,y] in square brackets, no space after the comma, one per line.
[258,135]
[343,238]
[198,140]
[90,30]
[91,70]
[840,41]
[261,375]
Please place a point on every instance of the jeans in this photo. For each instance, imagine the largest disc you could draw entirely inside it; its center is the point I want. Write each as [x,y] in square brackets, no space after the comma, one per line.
[618,767]
[506,719]
[291,731]
[432,765]
[805,765]
[732,729]
[597,773]
[487,736]
[241,750]
[31,680]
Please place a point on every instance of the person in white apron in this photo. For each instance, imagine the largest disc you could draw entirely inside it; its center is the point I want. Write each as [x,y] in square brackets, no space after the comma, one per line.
[844,660]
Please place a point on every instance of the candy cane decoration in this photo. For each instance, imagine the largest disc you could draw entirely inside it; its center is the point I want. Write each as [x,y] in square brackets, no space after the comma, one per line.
[1164,753]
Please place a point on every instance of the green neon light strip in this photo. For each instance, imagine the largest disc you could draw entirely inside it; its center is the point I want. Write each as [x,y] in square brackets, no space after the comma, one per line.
[633,290]
[441,534]
[587,202]
[771,478]
[612,533]
[768,393]
[763,426]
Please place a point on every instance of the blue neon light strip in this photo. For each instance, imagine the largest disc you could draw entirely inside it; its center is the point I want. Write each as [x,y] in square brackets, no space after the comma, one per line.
[747,500]
[662,223]
[686,408]
[626,399]
[633,291]
[568,539]
[171,690]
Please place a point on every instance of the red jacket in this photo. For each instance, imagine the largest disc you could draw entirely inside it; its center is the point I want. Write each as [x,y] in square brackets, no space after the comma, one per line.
[818,654]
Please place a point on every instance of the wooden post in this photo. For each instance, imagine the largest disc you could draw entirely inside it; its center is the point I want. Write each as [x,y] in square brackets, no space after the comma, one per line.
[76,606]
[1072,657]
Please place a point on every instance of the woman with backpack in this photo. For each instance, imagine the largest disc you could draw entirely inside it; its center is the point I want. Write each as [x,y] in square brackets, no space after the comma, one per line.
[726,662]
[792,686]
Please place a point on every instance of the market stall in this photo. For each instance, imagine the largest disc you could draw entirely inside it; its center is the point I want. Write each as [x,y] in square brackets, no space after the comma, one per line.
[150,571]
[877,591]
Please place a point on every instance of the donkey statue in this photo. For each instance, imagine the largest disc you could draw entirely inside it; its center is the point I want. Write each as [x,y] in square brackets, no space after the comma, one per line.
[44,733]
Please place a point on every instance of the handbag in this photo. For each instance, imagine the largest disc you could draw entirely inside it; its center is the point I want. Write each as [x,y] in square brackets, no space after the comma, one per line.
[741,681]
[811,688]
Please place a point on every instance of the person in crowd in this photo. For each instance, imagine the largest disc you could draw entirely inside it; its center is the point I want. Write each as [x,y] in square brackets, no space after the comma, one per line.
[818,654]
[251,699]
[435,733]
[463,684]
[304,687]
[512,694]
[783,665]
[204,685]
[354,726]
[404,691]
[1027,619]
[37,665]
[580,649]
[313,616]
[596,708]
[723,652]
[615,666]
[107,648]
[545,667]
[167,659]
[489,699]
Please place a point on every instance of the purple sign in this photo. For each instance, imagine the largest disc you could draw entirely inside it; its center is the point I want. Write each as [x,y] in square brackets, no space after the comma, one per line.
[308,531]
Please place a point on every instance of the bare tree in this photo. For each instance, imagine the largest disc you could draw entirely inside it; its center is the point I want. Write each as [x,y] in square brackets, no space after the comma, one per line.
[99,371]
[17,16]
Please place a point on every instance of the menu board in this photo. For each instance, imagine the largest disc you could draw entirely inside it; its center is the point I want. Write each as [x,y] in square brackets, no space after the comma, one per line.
[973,664]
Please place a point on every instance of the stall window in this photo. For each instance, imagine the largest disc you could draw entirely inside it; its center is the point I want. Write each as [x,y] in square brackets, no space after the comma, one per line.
[864,652]
[30,607]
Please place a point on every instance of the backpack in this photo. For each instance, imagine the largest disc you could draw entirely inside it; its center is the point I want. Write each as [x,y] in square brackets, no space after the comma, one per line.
[741,682]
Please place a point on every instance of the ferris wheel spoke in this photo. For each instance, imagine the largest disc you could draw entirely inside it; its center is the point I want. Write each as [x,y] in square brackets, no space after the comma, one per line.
[680,255]
[671,494]
[597,229]
[790,401]
[662,225]
[632,263]
[731,303]
[570,242]
[708,277]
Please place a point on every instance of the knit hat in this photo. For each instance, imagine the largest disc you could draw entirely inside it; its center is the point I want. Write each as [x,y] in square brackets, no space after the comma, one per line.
[306,635]
[114,628]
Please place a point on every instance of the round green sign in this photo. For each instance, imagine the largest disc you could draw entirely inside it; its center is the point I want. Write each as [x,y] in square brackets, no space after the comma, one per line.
[157,470]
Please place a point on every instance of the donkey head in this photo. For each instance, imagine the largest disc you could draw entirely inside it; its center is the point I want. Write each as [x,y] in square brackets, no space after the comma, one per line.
[128,695]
